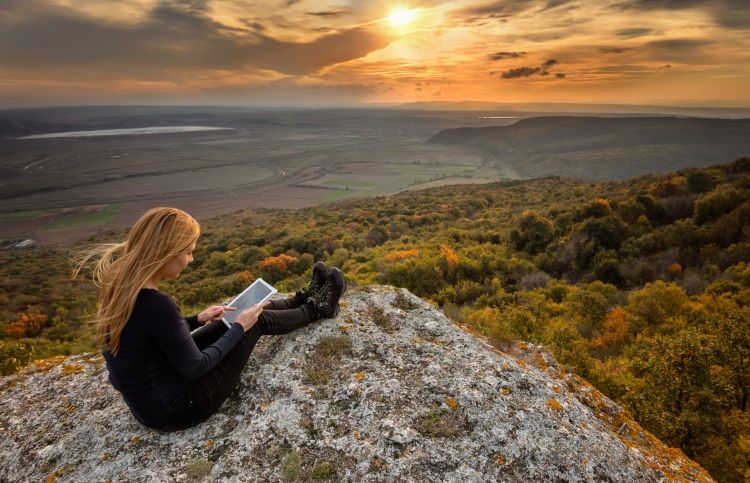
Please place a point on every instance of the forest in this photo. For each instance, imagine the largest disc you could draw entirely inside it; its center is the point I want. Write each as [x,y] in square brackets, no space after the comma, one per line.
[641,286]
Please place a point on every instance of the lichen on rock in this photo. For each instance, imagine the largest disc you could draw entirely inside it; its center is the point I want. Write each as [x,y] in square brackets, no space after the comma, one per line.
[404,395]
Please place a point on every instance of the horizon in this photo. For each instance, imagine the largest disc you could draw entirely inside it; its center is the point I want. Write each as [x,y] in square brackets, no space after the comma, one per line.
[345,54]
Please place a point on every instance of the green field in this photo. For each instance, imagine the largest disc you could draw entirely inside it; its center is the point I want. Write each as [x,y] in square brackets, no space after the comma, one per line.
[73,220]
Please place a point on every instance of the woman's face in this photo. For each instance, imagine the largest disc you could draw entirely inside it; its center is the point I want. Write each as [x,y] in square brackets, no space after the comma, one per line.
[176,265]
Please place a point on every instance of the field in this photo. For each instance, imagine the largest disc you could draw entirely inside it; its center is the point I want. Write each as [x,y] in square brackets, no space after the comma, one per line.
[59,190]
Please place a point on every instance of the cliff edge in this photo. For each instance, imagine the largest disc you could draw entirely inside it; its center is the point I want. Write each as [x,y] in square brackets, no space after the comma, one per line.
[389,390]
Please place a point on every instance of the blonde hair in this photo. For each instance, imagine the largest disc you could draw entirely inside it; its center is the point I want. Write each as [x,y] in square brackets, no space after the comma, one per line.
[120,270]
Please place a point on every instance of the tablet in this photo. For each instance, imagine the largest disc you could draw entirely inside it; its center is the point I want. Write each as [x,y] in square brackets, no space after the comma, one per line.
[257,293]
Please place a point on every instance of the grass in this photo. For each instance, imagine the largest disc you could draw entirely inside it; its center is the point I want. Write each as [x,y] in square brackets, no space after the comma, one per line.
[348,182]
[291,466]
[22,215]
[382,320]
[342,194]
[321,368]
[198,469]
[323,472]
[86,219]
[442,423]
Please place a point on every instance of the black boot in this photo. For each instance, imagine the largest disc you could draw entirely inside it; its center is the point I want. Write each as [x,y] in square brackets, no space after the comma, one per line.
[326,300]
[319,277]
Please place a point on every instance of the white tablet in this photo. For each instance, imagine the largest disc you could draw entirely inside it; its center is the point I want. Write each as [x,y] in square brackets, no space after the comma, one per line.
[257,293]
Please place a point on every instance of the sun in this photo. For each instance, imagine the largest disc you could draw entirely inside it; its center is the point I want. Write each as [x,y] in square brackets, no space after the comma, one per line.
[401,17]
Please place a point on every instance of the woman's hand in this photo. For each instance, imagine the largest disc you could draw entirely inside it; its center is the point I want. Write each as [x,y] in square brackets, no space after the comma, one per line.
[215,312]
[249,317]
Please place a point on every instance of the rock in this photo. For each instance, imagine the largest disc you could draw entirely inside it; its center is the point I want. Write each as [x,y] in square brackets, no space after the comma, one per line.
[413,399]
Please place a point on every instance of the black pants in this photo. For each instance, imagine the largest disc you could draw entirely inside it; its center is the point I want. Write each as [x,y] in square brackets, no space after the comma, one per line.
[208,392]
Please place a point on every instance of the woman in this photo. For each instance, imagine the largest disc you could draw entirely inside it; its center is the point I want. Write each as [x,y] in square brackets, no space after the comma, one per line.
[170,378]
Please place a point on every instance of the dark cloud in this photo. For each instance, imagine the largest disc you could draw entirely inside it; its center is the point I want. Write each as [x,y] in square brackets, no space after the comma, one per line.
[253,24]
[521,72]
[679,50]
[680,45]
[498,8]
[329,13]
[505,55]
[560,75]
[175,36]
[728,13]
[614,50]
[664,67]
[633,32]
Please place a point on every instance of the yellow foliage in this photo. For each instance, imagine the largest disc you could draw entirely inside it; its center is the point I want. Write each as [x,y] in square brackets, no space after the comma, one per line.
[614,329]
[450,256]
[401,255]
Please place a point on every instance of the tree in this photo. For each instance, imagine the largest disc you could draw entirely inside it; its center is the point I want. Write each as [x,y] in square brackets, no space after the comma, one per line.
[533,234]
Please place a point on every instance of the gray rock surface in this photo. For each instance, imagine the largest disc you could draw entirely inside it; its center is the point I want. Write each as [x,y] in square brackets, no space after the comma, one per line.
[390,390]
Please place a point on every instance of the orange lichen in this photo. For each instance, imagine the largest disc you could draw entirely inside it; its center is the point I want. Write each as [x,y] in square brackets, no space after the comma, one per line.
[359,376]
[343,329]
[70,407]
[135,440]
[44,365]
[105,456]
[505,390]
[540,361]
[554,405]
[71,369]
[54,476]
[500,459]
[452,403]
[557,389]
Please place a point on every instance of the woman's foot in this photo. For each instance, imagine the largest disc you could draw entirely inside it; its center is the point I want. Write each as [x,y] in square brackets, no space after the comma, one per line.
[326,300]
[319,277]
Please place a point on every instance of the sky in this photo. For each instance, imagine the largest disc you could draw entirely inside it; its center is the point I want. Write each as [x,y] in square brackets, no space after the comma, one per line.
[331,53]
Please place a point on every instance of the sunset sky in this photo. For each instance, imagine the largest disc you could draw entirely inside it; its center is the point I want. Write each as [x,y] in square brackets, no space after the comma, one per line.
[305,52]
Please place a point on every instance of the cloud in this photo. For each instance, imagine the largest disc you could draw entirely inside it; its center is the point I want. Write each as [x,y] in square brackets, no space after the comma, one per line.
[329,13]
[614,50]
[174,36]
[505,55]
[560,75]
[521,72]
[633,32]
[679,49]
[664,67]
[727,13]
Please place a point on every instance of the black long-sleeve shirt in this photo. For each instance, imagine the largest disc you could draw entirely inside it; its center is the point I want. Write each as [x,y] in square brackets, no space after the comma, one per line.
[158,357]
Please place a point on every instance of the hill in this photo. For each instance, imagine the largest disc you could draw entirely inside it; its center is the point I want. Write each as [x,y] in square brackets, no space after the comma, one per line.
[641,287]
[389,390]
[605,148]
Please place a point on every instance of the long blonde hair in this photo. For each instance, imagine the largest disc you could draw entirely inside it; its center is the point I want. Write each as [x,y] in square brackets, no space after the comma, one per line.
[120,270]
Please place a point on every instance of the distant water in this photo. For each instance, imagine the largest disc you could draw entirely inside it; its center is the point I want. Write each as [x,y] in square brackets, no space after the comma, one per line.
[125,132]
[498,117]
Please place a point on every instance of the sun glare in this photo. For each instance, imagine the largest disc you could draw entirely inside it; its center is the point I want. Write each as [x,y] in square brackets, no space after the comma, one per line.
[400,17]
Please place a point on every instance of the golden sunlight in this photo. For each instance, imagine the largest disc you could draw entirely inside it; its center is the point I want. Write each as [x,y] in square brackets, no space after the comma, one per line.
[401,17]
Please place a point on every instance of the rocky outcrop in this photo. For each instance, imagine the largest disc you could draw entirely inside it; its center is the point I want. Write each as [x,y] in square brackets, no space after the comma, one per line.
[389,390]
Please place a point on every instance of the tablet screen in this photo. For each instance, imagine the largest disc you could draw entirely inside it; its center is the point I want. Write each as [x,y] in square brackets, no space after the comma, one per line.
[259,291]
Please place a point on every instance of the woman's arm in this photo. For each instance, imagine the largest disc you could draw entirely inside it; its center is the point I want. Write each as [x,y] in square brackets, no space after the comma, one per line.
[172,335]
[192,322]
